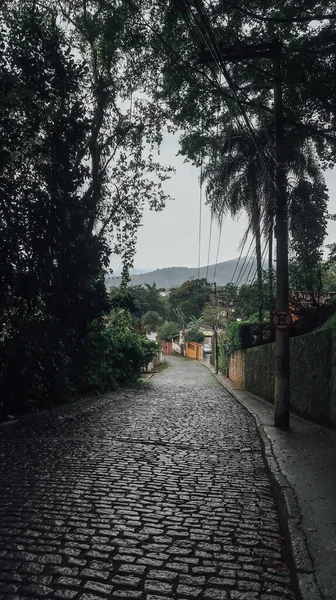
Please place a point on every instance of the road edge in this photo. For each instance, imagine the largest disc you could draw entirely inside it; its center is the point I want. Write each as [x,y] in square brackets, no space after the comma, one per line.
[301,565]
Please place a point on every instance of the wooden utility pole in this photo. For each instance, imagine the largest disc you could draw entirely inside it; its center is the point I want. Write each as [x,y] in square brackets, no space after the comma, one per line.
[281,391]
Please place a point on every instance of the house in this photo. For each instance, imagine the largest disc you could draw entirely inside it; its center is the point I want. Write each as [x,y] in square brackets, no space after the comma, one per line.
[194,350]
[167,347]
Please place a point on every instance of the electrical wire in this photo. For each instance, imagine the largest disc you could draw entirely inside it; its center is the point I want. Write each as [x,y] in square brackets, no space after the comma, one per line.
[262,262]
[234,116]
[201,189]
[209,247]
[222,215]
[218,246]
[247,262]
[256,17]
[217,59]
[191,68]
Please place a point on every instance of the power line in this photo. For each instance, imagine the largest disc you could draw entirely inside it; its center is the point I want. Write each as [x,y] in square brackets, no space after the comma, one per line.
[191,68]
[303,19]
[218,60]
[248,260]
[223,69]
[209,248]
[197,70]
[262,261]
[218,246]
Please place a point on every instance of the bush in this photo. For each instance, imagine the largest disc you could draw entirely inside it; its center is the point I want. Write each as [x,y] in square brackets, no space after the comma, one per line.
[169,329]
[194,335]
[244,334]
[116,357]
[37,370]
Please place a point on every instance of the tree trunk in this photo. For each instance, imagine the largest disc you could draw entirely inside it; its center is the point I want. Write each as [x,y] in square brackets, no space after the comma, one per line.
[270,265]
[256,229]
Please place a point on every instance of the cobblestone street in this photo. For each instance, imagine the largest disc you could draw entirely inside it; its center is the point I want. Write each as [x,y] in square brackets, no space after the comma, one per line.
[157,492]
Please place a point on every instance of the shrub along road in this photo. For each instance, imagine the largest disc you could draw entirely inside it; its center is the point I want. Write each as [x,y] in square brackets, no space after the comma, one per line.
[152,493]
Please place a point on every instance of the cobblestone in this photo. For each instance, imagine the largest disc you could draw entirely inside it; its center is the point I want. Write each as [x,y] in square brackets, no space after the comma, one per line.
[153,493]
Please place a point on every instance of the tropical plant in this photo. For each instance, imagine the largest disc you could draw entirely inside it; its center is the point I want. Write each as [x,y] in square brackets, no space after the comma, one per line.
[193,334]
[189,299]
[169,329]
[115,357]
[151,320]
[52,284]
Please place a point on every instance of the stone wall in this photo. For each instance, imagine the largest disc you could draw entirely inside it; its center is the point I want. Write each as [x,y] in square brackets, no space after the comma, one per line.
[312,374]
[237,368]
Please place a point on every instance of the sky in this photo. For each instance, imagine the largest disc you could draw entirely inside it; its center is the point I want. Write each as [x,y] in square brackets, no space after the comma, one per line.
[170,238]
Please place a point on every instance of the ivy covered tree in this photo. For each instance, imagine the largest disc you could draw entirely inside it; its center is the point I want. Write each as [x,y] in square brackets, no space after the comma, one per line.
[53,285]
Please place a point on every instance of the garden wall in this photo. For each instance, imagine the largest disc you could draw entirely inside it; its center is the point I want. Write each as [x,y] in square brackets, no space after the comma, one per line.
[312,374]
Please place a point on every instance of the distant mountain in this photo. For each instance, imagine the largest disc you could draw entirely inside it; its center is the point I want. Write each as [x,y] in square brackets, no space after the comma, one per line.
[117,273]
[171,277]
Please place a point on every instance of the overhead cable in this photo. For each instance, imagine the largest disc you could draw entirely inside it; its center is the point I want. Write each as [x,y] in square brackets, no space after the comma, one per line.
[256,17]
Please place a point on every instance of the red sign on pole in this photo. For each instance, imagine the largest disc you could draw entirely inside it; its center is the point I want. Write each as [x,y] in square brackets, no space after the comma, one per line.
[281,319]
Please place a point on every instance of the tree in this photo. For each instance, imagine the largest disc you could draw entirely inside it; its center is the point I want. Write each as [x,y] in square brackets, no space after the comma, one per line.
[193,334]
[189,298]
[308,227]
[52,284]
[151,320]
[169,329]
[215,313]
[309,82]
[206,110]
[139,299]
[125,124]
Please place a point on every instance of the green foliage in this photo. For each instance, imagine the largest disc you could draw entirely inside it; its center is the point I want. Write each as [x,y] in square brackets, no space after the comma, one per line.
[169,329]
[308,227]
[189,300]
[193,334]
[243,302]
[77,171]
[52,284]
[330,323]
[329,276]
[139,299]
[236,177]
[116,356]
[223,356]
[241,335]
[151,320]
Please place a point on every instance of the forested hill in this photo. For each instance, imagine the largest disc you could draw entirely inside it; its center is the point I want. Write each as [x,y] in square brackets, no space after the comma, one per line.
[174,276]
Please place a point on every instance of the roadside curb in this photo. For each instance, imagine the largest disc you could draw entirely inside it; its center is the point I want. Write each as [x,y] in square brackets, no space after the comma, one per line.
[302,568]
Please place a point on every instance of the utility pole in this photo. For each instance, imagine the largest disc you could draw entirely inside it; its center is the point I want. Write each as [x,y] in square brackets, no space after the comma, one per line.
[281,391]
[216,331]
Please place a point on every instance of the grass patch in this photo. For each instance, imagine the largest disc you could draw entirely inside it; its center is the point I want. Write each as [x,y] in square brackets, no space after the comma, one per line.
[163,367]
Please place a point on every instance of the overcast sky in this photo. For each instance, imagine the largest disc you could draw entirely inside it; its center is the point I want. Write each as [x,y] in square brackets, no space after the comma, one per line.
[170,238]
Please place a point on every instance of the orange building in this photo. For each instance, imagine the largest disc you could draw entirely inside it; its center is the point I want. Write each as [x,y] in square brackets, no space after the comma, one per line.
[193,350]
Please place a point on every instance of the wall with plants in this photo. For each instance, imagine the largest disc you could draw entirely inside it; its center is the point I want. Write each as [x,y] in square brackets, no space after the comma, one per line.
[312,374]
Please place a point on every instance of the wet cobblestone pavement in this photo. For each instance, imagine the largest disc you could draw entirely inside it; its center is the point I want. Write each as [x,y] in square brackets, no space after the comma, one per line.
[154,493]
